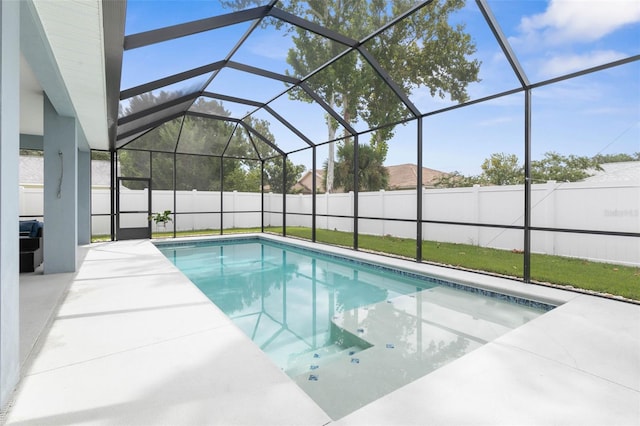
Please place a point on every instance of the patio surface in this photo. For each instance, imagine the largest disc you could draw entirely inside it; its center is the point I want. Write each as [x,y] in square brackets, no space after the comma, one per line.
[129,340]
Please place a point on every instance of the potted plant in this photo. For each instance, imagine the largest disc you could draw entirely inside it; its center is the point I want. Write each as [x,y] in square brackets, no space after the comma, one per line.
[161,218]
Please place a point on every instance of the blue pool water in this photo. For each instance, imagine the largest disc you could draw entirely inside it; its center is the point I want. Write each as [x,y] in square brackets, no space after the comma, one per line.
[346,332]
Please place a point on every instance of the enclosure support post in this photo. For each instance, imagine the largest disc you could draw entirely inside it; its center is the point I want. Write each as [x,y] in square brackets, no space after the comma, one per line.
[150,202]
[284,195]
[356,184]
[221,195]
[112,193]
[84,194]
[150,192]
[419,194]
[175,180]
[262,196]
[527,187]
[313,195]
[175,203]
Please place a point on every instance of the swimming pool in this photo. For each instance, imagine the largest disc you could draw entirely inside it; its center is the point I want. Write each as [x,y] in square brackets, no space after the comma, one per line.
[347,332]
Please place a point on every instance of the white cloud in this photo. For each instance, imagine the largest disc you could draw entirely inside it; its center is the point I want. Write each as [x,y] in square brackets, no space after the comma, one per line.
[586,20]
[564,64]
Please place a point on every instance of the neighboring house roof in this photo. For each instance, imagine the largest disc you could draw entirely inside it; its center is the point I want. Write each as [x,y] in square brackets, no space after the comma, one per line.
[305,183]
[32,171]
[626,171]
[402,176]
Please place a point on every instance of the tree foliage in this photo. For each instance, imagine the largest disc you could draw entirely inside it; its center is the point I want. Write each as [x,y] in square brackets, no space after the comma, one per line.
[562,168]
[101,155]
[199,143]
[456,179]
[505,169]
[273,174]
[502,169]
[372,175]
[31,152]
[423,50]
[616,158]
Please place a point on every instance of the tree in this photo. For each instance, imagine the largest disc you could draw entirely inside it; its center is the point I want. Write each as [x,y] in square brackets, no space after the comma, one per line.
[273,174]
[502,169]
[456,180]
[237,180]
[201,143]
[562,168]
[273,167]
[422,50]
[101,155]
[197,136]
[498,169]
[372,175]
[616,158]
[196,166]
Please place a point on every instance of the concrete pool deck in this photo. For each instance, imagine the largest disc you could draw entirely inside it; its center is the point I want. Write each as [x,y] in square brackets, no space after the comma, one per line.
[129,340]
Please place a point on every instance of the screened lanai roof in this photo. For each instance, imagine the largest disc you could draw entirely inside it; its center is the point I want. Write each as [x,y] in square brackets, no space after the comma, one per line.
[285,63]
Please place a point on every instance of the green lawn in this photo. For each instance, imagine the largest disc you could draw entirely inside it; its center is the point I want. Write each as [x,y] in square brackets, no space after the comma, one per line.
[600,277]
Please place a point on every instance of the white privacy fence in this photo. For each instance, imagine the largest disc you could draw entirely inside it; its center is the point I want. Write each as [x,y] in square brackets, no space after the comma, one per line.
[578,205]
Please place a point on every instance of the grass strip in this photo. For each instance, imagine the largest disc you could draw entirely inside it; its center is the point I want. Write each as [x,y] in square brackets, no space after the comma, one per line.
[600,277]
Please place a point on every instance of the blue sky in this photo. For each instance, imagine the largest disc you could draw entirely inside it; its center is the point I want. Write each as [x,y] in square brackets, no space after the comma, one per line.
[596,113]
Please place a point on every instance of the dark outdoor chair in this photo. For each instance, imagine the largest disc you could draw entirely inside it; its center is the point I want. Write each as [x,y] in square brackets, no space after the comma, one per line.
[31,255]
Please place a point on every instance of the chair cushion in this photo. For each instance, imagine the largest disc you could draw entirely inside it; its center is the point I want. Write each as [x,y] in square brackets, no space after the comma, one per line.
[31,228]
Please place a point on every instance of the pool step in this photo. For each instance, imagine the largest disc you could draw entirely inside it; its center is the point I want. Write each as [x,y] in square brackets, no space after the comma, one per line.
[313,361]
